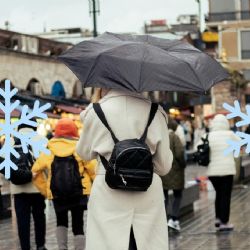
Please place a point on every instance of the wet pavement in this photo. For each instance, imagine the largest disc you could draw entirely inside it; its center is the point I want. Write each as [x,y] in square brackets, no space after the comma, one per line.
[198,231]
[9,238]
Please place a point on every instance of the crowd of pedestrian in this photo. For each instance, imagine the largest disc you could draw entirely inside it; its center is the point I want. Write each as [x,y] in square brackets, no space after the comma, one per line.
[62,177]
[67,174]
[129,155]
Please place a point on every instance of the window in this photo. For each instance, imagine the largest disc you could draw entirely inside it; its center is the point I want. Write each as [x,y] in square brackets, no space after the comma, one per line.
[245,9]
[222,10]
[245,5]
[246,74]
[245,44]
[222,6]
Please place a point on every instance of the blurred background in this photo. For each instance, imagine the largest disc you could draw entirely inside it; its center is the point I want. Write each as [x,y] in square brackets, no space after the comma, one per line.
[34,33]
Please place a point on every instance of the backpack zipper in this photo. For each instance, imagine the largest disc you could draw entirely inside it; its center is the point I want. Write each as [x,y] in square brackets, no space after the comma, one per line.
[125,151]
[123,180]
[130,149]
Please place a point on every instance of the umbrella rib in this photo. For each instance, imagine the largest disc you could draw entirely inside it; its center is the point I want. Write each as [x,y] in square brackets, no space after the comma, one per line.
[142,62]
[179,42]
[113,34]
[92,68]
[190,68]
[97,57]
[103,53]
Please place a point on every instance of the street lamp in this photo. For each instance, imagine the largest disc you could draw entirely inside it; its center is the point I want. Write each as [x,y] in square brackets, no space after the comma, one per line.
[94,7]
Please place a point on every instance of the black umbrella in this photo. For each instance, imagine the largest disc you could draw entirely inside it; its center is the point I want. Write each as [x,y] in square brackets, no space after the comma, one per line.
[142,63]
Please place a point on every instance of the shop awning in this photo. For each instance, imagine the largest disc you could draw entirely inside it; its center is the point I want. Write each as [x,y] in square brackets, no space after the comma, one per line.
[53,116]
[15,113]
[69,109]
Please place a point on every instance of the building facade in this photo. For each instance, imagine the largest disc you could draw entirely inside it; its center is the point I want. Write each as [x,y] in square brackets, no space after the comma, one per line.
[31,65]
[68,35]
[227,38]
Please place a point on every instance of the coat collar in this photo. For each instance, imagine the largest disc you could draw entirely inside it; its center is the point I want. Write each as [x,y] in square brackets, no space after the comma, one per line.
[115,93]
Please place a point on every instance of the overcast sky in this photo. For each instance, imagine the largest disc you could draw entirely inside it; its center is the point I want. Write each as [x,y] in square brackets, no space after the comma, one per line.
[31,16]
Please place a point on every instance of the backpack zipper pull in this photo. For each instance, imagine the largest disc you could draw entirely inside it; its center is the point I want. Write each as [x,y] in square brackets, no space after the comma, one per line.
[114,169]
[123,180]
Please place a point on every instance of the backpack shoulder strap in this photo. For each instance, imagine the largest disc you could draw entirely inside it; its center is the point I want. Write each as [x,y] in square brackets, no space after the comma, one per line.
[205,139]
[30,156]
[101,115]
[105,163]
[153,110]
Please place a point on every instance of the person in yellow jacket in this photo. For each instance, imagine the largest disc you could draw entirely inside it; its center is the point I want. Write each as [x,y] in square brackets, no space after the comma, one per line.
[62,146]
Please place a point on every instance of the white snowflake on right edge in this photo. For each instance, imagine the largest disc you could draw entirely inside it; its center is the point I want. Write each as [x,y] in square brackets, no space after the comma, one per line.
[235,111]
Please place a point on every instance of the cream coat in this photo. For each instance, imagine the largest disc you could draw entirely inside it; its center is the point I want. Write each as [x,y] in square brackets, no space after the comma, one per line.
[220,164]
[111,213]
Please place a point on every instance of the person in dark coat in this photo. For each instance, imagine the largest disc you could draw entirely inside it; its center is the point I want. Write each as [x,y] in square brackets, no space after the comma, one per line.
[27,199]
[174,180]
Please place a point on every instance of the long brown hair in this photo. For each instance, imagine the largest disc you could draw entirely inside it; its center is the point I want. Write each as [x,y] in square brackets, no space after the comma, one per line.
[97,95]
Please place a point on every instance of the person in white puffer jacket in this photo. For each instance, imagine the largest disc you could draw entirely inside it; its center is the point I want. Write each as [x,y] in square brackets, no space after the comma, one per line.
[221,169]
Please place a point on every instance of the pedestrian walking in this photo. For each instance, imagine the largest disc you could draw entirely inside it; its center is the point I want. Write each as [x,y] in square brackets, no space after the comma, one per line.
[181,134]
[27,198]
[221,169]
[131,150]
[174,180]
[68,182]
[188,130]
[112,212]
[199,131]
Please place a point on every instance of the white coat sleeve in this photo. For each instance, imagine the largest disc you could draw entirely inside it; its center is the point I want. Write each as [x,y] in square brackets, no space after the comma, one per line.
[180,132]
[84,147]
[163,156]
[1,180]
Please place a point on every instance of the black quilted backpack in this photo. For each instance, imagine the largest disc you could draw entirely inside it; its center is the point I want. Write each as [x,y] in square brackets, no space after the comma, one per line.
[23,174]
[130,166]
[202,156]
[66,181]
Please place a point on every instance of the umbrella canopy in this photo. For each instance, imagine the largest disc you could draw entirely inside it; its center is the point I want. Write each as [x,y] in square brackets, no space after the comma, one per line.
[142,63]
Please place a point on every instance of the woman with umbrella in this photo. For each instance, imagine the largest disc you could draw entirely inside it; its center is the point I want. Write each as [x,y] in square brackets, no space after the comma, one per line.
[112,213]
[124,66]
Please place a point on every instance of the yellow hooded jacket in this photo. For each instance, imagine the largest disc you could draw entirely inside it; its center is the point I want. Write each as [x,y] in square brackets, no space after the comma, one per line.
[61,147]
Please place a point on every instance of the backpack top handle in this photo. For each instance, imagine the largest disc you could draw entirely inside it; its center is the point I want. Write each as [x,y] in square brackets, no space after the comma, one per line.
[101,115]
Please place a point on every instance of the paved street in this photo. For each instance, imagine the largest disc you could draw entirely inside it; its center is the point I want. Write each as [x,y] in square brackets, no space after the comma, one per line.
[197,229]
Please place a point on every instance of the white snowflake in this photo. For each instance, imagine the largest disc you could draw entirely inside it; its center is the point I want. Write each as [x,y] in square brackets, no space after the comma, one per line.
[8,129]
[235,111]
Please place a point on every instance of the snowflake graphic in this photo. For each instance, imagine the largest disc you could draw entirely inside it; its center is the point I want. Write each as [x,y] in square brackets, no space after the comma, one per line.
[8,129]
[235,111]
